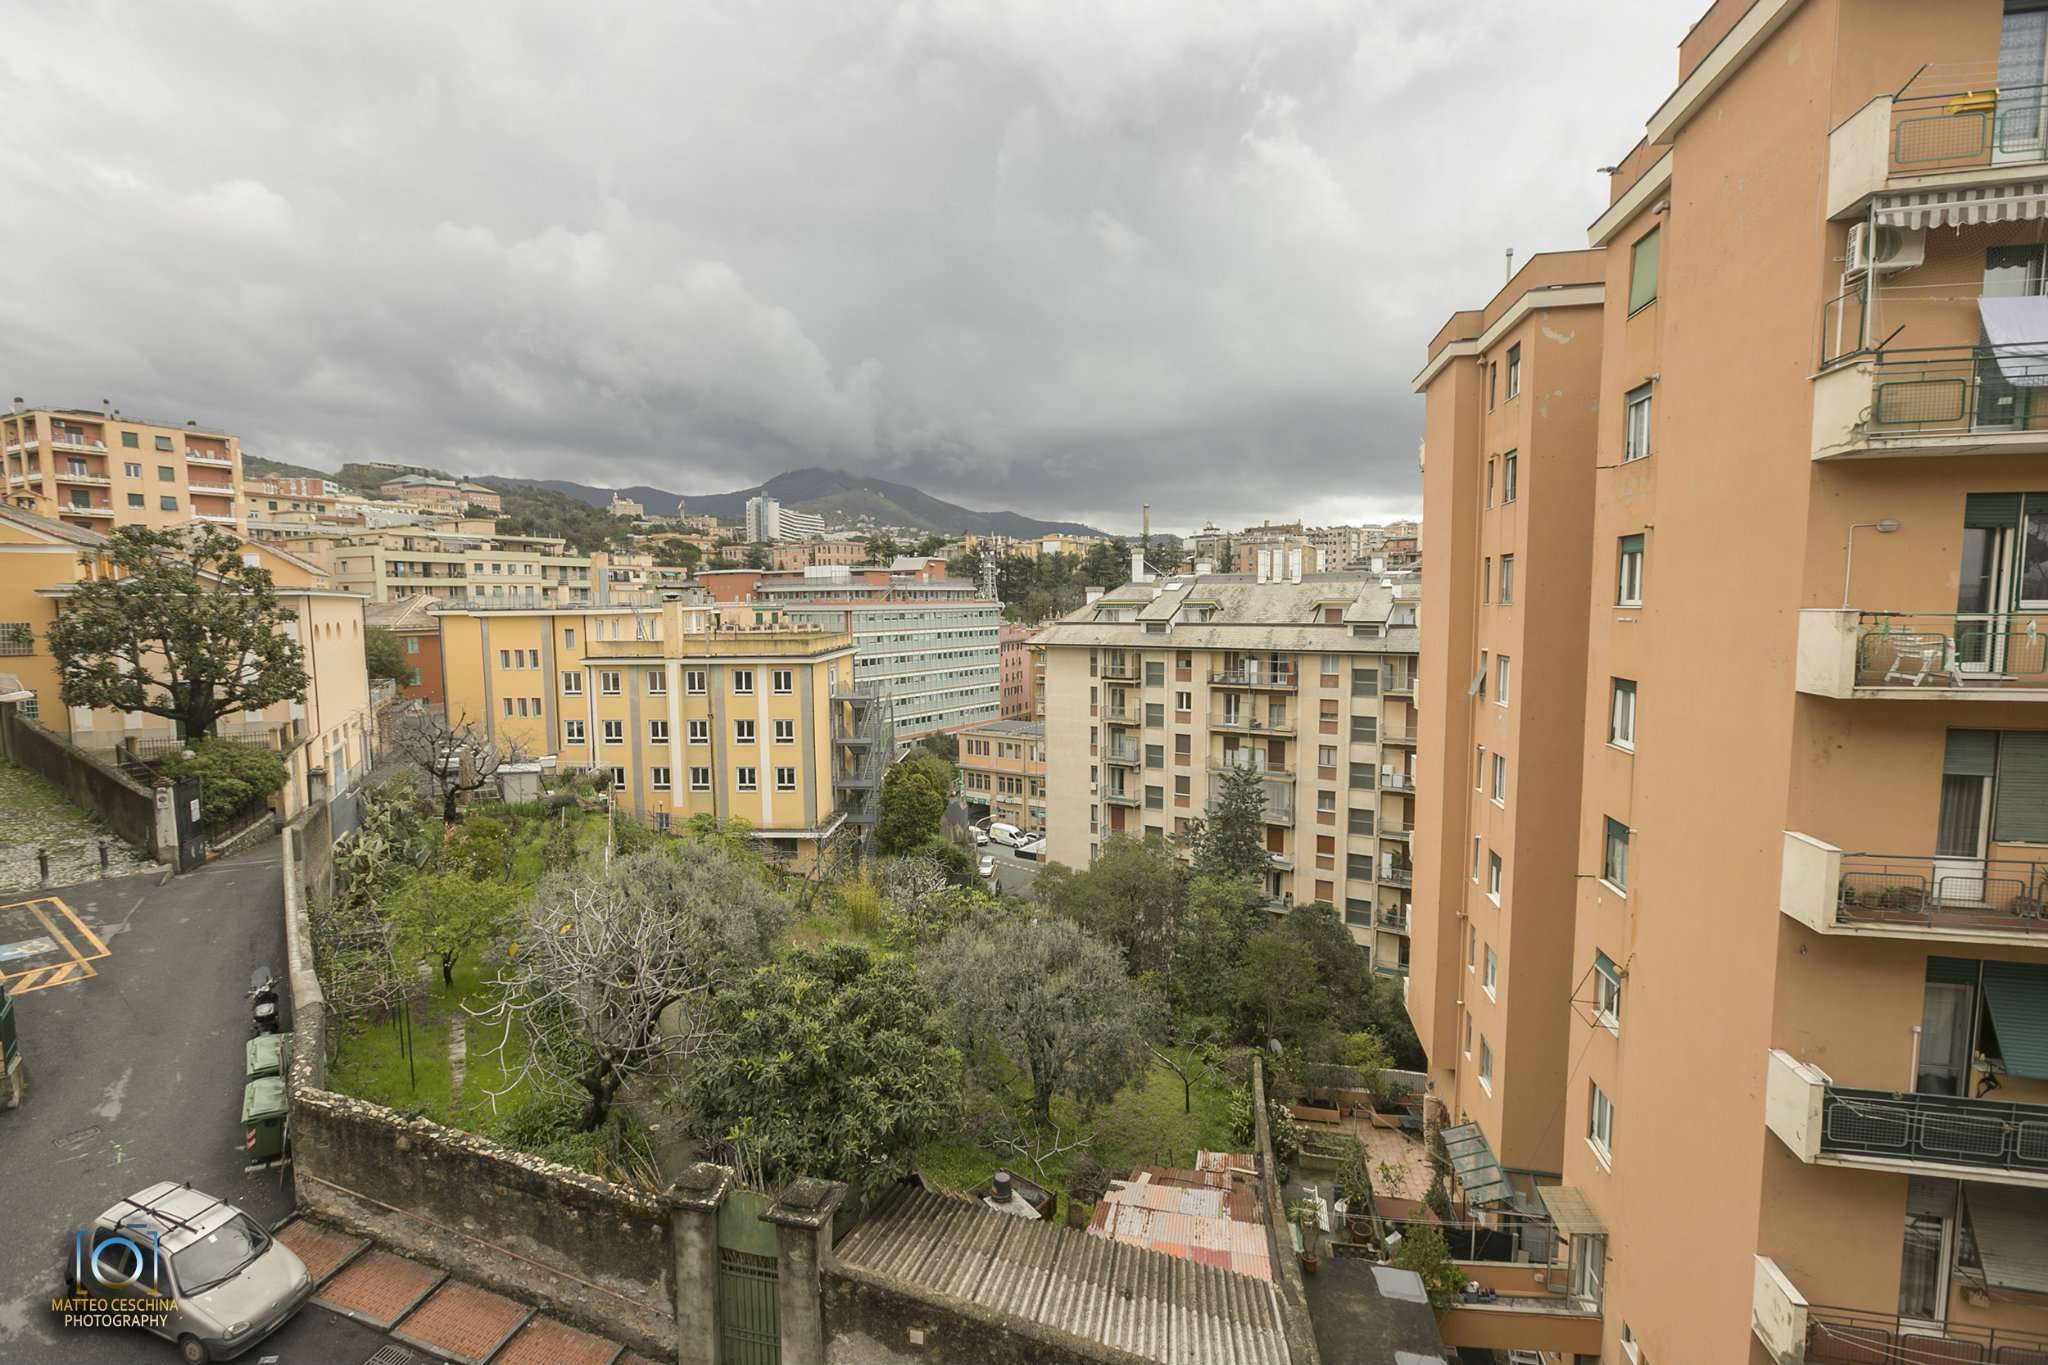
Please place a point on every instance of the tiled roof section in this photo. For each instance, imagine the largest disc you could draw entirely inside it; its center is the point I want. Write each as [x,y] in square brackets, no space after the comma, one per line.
[1156,1307]
[56,530]
[405,613]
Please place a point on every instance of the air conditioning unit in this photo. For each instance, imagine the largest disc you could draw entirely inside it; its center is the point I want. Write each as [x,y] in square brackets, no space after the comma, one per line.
[1890,249]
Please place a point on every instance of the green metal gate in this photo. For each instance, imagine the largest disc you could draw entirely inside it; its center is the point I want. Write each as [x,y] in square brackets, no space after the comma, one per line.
[749,1322]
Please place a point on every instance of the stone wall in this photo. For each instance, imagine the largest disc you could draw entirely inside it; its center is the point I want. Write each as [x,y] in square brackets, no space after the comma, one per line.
[586,1250]
[1301,1334]
[87,780]
[869,1322]
[307,855]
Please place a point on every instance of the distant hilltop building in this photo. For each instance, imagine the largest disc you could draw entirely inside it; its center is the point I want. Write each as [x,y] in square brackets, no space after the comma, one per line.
[768,520]
[435,491]
[623,506]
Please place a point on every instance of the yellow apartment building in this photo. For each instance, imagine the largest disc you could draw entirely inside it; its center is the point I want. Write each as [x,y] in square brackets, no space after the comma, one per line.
[98,470]
[1002,771]
[467,560]
[1799,1049]
[1156,687]
[690,710]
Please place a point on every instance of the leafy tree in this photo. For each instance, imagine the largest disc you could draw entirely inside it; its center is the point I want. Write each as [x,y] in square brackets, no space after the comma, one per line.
[390,844]
[444,916]
[757,557]
[1275,988]
[1220,918]
[384,654]
[946,746]
[1342,966]
[232,777]
[1230,841]
[480,848]
[882,549]
[676,554]
[614,974]
[1424,1251]
[930,545]
[1386,1013]
[1055,998]
[830,1062]
[915,791]
[182,628]
[954,862]
[1133,895]
[456,755]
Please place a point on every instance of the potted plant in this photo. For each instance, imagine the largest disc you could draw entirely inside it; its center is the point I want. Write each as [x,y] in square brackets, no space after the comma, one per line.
[1302,1213]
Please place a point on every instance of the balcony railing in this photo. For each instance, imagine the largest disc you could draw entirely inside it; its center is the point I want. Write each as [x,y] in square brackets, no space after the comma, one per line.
[1125,755]
[1946,656]
[209,457]
[1794,1330]
[1120,672]
[1397,875]
[1401,832]
[1283,678]
[1978,893]
[1394,920]
[1827,1124]
[73,440]
[1121,715]
[17,637]
[1397,737]
[1264,767]
[1950,130]
[1251,725]
[78,476]
[1120,798]
[1392,781]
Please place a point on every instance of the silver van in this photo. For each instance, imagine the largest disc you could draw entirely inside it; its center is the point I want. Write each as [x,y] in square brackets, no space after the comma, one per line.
[232,1282]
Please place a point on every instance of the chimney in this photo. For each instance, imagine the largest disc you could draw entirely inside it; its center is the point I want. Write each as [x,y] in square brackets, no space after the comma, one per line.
[1138,574]
[1294,566]
[1321,559]
[1265,565]
[1003,1188]
[1203,566]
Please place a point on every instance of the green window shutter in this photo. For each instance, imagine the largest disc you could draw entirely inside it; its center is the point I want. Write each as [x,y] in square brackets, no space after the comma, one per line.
[1952,971]
[1991,511]
[1971,753]
[1642,280]
[2019,807]
[2016,993]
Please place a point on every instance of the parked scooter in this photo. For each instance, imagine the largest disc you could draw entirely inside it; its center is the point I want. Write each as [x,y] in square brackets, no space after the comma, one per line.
[263,1000]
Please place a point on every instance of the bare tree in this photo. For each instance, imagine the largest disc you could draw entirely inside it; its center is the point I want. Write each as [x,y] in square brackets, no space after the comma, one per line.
[457,756]
[612,977]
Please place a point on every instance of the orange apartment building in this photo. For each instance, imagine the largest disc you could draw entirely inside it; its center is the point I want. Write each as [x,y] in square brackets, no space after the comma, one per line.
[98,470]
[1798,1050]
[1002,772]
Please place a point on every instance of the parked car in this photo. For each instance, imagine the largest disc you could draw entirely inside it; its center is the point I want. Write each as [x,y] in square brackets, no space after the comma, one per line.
[1007,835]
[988,866]
[980,838]
[231,1282]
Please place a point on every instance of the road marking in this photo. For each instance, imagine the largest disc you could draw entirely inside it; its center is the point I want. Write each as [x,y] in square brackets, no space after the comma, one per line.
[59,974]
[27,948]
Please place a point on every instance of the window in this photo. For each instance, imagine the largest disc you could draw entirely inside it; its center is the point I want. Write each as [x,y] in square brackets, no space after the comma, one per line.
[1486,579]
[657,682]
[618,779]
[572,683]
[1642,269]
[1485,1065]
[608,682]
[614,732]
[1183,701]
[1155,755]
[1155,798]
[166,474]
[743,682]
[1471,947]
[504,658]
[1492,384]
[568,637]
[1514,369]
[1614,857]
[657,732]
[1183,749]
[1361,777]
[1155,713]
[1326,803]
[747,779]
[658,779]
[743,732]
[168,504]
[1500,779]
[1606,991]
[693,681]
[1490,978]
[1359,820]
[1635,431]
[1155,673]
[699,731]
[533,658]
[522,705]
[1492,471]
[1468,1033]
[412,644]
[131,440]
[1365,682]
[1493,877]
[700,779]
[1507,580]
[785,732]
[132,469]
[785,779]
[1500,679]
[1475,860]
[163,443]
[137,500]
[782,682]
[572,732]
[1326,756]
[1510,466]
[1628,572]
[1600,1123]
[1364,729]
[1621,715]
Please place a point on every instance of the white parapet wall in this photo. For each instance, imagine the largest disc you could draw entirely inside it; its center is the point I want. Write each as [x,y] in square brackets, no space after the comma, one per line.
[1826,662]
[1778,1314]
[1792,1103]
[1809,881]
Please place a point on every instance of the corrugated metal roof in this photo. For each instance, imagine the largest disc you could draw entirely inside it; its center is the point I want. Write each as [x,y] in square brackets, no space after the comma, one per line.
[1174,1310]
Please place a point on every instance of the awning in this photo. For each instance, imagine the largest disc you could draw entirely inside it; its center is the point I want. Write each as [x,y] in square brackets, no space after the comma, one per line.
[1569,1212]
[2016,326]
[2016,993]
[2011,1227]
[1961,208]
[1473,1162]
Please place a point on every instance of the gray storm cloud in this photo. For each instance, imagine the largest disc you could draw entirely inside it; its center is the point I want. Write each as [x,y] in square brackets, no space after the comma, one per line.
[1058,257]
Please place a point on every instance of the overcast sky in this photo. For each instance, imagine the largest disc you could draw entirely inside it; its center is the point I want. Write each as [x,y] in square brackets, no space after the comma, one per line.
[1057,257]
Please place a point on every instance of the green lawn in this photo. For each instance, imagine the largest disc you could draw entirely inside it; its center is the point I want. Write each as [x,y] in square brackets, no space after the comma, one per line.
[373,1065]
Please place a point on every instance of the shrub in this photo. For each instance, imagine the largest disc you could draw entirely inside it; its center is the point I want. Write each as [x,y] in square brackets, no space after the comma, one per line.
[232,777]
[1425,1252]
[618,1149]
[862,905]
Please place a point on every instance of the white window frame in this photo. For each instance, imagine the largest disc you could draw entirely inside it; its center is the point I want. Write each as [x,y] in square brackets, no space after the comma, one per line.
[1500,781]
[700,779]
[618,779]
[657,732]
[785,779]
[613,732]
[695,681]
[1502,666]
[746,778]
[572,683]
[743,731]
[608,682]
[1477,841]
[1489,979]
[1485,1068]
[785,732]
[657,682]
[1635,424]
[1607,868]
[699,731]
[1495,874]
[657,778]
[1621,736]
[572,732]
[1600,1124]
[743,682]
[1507,580]
[1510,477]
[782,681]
[1628,571]
[1607,994]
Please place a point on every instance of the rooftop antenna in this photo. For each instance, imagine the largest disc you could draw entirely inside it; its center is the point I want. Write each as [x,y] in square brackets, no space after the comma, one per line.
[1511,263]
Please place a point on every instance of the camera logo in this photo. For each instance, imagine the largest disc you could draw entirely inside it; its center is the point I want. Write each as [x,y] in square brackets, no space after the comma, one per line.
[126,1260]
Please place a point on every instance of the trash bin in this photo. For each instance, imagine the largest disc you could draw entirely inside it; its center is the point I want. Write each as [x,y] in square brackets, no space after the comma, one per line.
[268,1054]
[263,1110]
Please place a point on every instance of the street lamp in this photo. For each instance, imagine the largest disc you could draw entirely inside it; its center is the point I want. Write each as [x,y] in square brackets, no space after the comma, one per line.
[1883,527]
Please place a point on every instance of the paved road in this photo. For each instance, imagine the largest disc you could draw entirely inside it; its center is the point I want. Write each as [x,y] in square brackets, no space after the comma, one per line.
[1013,874]
[135,1075]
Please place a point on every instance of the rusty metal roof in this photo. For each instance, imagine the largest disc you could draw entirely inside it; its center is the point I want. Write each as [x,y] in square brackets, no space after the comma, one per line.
[1174,1310]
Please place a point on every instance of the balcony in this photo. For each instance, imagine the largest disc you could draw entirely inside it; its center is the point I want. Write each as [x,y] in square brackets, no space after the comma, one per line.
[1929,401]
[74,476]
[1121,755]
[1125,673]
[1397,874]
[1271,679]
[1240,724]
[211,490]
[1393,921]
[1122,715]
[1802,1333]
[76,440]
[217,518]
[1394,781]
[1264,767]
[1951,127]
[1892,656]
[1399,687]
[1398,833]
[1394,969]
[1912,896]
[1120,798]
[1404,738]
[209,458]
[1824,1124]
[77,510]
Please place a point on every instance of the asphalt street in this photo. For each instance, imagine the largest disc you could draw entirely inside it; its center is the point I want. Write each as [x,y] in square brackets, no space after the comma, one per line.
[1013,874]
[134,1076]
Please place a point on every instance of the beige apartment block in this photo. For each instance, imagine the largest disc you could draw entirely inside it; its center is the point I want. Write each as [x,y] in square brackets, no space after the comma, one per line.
[1002,772]
[1153,688]
[98,470]
[467,560]
[1802,1070]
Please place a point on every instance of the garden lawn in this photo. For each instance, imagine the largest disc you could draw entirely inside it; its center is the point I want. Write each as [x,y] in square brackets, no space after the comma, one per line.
[373,1066]
[1143,1125]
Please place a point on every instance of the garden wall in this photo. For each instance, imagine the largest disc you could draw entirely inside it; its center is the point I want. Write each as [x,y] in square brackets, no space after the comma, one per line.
[88,781]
